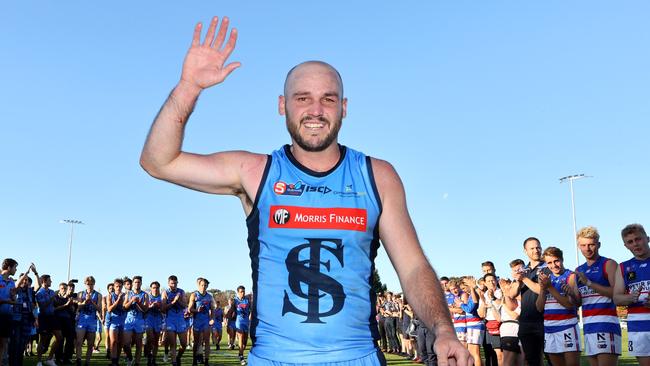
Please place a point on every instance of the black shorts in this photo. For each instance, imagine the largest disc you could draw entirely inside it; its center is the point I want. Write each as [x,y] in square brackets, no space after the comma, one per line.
[510,344]
[5,325]
[493,340]
[48,323]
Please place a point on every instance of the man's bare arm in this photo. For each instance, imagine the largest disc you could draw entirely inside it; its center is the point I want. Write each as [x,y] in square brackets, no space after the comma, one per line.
[417,277]
[162,157]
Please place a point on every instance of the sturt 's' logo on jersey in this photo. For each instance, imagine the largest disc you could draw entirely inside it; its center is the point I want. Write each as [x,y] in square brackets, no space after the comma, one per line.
[319,285]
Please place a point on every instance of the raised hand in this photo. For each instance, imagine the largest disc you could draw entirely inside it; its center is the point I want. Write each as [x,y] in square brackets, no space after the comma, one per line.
[544,280]
[582,277]
[204,64]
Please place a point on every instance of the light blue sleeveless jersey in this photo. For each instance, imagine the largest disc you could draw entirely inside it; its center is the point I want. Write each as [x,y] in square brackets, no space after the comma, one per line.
[313,238]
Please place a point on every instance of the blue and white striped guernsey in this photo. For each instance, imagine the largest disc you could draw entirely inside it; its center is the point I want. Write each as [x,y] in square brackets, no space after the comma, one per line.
[556,317]
[636,275]
[598,311]
[313,238]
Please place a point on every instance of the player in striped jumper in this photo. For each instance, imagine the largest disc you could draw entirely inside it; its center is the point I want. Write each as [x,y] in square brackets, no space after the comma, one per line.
[601,329]
[559,300]
[458,315]
[631,290]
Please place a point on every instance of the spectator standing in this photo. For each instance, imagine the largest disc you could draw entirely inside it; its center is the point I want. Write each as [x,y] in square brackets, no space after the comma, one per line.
[531,320]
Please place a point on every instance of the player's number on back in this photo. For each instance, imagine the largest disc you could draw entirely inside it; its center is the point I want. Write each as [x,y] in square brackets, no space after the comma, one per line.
[630,346]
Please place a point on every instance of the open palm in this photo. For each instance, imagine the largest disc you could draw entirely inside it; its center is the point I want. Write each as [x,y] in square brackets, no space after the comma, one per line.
[204,64]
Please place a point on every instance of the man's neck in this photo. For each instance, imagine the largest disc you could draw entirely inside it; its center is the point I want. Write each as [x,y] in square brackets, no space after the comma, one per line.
[643,256]
[533,263]
[593,260]
[318,161]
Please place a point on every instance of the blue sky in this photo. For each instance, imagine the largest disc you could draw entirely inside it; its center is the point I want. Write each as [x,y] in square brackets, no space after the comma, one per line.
[480,106]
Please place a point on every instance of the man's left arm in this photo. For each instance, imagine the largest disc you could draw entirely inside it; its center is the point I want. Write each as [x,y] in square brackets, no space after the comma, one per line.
[417,277]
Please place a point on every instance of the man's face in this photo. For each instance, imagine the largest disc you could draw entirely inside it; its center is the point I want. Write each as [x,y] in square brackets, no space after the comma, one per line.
[533,250]
[127,285]
[137,284]
[589,248]
[240,293]
[13,269]
[155,290]
[443,284]
[555,264]
[203,286]
[63,289]
[172,284]
[117,287]
[637,243]
[314,107]
[487,269]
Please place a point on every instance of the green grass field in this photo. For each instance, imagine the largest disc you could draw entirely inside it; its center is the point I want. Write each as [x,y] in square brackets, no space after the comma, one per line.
[227,357]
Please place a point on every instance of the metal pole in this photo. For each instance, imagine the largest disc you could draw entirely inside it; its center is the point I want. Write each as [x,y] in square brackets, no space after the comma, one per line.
[575,230]
[70,249]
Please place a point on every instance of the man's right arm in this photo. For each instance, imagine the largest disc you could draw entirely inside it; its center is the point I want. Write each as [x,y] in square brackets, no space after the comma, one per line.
[219,173]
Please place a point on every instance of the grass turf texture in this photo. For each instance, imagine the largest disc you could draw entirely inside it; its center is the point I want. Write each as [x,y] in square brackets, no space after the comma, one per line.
[229,357]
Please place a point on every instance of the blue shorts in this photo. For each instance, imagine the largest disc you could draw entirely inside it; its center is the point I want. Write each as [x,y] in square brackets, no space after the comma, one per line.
[231,324]
[134,324]
[176,324]
[153,323]
[217,326]
[87,323]
[241,325]
[373,359]
[116,322]
[201,325]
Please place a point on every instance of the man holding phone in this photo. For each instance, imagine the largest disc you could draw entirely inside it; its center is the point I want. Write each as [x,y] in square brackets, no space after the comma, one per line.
[531,321]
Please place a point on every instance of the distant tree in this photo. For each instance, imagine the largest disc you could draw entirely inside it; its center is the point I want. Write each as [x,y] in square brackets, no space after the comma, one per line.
[377,285]
[222,296]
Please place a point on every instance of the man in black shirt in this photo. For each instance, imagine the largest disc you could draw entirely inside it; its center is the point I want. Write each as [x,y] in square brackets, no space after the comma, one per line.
[531,321]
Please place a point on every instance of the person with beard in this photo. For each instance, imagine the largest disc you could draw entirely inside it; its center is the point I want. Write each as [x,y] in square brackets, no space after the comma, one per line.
[348,201]
[174,305]
[631,290]
[531,320]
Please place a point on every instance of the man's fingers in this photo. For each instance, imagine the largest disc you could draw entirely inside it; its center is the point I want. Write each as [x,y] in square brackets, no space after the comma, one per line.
[231,67]
[196,38]
[218,42]
[232,41]
[210,35]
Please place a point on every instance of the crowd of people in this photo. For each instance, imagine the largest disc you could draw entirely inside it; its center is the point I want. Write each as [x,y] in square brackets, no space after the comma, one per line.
[130,319]
[518,321]
[533,315]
